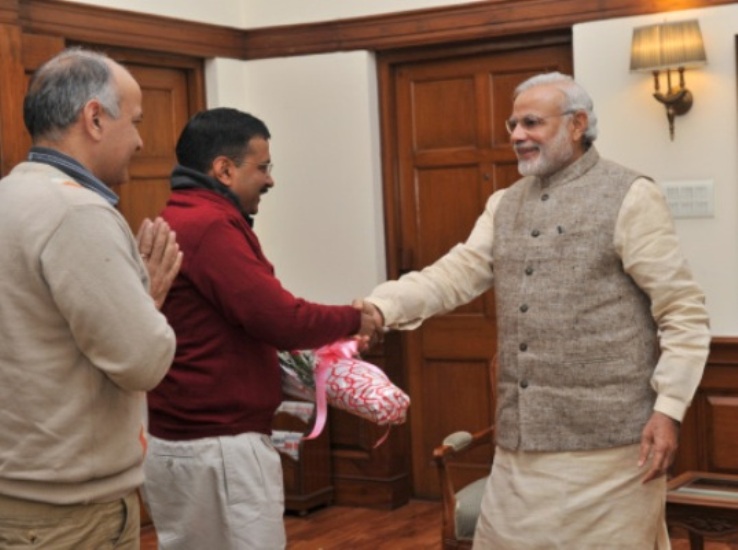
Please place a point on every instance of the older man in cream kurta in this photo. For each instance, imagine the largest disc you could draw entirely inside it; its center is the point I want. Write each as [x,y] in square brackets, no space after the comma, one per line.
[603,334]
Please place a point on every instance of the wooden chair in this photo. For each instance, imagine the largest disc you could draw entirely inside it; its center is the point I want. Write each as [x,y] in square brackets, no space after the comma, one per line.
[460,505]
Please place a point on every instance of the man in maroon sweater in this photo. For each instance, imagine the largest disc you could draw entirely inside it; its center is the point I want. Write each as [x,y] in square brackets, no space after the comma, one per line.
[213,478]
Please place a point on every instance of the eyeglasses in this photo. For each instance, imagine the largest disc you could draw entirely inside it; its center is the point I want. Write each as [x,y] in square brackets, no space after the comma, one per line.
[265,167]
[531,122]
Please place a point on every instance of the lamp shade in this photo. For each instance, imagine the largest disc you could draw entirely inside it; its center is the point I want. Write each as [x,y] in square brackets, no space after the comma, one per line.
[667,45]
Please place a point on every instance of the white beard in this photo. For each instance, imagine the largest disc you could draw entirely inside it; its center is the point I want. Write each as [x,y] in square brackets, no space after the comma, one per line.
[551,157]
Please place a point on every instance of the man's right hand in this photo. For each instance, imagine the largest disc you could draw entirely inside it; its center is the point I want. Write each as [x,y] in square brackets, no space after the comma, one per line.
[372,322]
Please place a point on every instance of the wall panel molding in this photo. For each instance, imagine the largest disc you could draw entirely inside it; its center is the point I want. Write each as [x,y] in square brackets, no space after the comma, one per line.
[460,23]
[95,25]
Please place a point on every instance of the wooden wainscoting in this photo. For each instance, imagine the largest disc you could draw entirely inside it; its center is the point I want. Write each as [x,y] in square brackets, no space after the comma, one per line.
[709,439]
[363,475]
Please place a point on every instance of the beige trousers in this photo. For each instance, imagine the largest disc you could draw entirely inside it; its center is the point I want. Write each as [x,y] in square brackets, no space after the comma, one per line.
[224,493]
[25,524]
[571,500]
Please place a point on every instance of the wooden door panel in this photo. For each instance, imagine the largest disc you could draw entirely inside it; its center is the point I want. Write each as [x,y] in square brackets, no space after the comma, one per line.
[453,151]
[504,173]
[143,166]
[449,102]
[37,49]
[164,99]
[468,336]
[166,109]
[447,208]
[465,383]
[502,87]
[142,198]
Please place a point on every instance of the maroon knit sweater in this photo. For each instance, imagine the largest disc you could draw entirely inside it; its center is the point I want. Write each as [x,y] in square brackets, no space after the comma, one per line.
[230,315]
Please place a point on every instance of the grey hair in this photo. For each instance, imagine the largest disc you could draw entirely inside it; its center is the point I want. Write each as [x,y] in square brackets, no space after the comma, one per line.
[577,99]
[62,86]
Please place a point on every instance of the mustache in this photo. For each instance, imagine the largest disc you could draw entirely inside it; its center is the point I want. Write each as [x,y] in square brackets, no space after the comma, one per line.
[522,148]
[525,146]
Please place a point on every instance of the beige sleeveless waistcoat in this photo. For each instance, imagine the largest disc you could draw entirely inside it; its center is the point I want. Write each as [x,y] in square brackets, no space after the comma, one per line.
[577,342]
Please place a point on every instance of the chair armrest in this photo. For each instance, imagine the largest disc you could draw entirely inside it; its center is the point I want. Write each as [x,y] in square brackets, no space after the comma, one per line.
[460,442]
[453,445]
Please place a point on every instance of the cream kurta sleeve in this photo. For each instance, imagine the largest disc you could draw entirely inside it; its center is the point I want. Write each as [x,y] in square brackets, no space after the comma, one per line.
[647,243]
[455,279]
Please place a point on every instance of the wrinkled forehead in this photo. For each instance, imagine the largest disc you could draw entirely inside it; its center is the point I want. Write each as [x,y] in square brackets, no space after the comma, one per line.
[542,100]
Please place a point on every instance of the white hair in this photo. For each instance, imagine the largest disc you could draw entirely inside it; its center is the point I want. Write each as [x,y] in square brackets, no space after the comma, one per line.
[577,99]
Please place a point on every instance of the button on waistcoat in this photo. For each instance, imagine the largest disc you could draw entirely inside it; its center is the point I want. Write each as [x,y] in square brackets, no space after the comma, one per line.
[577,342]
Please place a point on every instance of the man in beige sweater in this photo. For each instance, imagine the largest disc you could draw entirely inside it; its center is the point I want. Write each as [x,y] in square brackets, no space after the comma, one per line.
[603,334]
[81,337]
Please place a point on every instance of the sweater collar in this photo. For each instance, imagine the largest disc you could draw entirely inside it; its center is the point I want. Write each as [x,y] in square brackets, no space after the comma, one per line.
[74,170]
[187,178]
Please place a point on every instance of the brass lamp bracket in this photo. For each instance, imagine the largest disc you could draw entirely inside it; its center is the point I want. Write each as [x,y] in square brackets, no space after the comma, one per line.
[677,101]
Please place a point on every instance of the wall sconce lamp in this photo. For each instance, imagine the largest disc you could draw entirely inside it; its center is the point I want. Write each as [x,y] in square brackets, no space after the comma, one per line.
[667,46]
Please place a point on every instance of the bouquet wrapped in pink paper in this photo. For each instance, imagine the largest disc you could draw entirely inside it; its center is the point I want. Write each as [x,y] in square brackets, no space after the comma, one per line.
[334,374]
[298,374]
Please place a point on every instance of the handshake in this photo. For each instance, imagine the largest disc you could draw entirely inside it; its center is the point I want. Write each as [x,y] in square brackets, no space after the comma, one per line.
[372,328]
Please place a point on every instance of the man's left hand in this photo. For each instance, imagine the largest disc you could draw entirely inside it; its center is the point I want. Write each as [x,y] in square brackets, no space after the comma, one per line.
[659,442]
[160,252]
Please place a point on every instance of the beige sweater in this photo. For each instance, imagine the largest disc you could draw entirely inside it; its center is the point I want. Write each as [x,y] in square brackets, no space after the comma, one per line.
[80,342]
[647,246]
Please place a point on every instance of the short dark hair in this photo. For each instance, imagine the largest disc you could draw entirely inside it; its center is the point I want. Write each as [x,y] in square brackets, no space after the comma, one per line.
[62,86]
[218,132]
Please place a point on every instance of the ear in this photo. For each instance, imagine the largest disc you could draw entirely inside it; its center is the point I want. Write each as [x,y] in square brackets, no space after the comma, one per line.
[92,119]
[222,170]
[580,121]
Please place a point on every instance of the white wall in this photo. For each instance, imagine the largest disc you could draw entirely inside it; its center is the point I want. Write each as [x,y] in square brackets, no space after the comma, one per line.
[264,13]
[248,14]
[227,13]
[322,223]
[634,131]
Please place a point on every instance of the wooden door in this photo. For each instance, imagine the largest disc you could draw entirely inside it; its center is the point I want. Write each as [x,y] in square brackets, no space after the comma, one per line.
[452,152]
[173,90]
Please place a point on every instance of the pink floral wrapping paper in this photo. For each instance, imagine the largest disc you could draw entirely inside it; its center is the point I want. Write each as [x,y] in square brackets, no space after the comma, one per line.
[348,383]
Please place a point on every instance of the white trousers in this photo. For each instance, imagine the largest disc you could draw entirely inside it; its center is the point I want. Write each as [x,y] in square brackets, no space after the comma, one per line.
[221,492]
[572,501]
